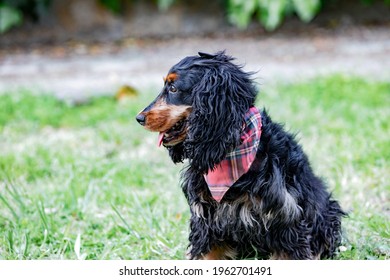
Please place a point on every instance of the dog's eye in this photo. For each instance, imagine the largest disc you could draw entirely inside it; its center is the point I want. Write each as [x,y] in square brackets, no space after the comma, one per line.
[172,88]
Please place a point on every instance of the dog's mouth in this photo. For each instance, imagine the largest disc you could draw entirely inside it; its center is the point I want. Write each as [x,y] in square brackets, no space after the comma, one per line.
[175,135]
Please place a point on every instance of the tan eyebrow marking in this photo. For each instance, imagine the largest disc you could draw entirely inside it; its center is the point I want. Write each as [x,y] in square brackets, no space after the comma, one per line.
[171,77]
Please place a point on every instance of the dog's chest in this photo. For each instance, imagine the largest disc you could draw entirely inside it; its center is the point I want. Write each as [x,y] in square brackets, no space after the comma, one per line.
[243,212]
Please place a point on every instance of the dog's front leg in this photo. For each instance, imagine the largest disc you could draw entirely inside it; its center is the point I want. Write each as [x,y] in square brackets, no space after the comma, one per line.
[202,245]
[200,240]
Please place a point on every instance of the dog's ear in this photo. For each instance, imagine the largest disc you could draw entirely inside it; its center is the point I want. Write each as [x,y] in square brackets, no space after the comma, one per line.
[221,99]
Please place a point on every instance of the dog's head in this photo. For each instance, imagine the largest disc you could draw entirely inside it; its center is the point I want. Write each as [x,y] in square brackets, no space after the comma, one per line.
[200,111]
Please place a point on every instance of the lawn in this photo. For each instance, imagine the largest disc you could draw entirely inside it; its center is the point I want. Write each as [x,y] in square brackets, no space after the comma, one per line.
[86,181]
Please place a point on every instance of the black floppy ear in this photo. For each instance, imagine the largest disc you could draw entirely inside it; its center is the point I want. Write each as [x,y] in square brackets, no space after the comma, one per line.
[221,99]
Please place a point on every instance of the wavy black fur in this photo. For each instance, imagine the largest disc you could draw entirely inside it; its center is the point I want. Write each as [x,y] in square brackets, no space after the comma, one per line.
[279,208]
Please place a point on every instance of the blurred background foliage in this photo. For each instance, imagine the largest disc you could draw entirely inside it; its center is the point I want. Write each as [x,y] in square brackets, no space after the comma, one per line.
[13,12]
[270,13]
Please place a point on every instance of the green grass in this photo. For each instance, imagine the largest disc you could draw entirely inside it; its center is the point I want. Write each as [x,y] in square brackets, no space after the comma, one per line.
[88,182]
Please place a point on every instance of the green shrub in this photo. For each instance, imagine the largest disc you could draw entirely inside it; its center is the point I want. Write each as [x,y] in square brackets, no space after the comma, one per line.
[270,12]
[13,12]
[9,17]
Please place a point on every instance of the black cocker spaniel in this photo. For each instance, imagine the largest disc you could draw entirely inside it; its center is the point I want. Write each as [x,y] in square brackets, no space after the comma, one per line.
[249,185]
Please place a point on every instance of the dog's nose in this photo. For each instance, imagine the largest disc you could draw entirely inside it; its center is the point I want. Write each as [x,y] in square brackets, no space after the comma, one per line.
[141,119]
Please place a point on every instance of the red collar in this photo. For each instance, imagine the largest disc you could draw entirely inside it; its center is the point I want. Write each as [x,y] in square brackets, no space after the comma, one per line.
[238,161]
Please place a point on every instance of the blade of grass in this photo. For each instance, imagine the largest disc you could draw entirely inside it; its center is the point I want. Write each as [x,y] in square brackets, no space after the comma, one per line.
[41,210]
[10,208]
[77,246]
[26,245]
[129,229]
[10,239]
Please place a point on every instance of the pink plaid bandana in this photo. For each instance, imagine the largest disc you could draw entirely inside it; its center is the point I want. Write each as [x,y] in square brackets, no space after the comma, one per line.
[238,161]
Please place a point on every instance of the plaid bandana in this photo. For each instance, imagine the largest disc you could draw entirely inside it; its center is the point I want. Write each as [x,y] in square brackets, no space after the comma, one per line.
[238,161]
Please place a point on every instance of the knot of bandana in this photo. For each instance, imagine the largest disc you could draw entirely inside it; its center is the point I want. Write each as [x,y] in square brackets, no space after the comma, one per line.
[239,160]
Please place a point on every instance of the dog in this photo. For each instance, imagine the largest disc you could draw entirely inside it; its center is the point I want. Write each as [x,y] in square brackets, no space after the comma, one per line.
[250,187]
